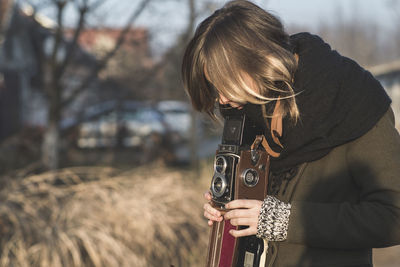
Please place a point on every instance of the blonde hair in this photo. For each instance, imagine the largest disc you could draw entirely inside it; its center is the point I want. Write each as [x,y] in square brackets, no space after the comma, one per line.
[239,40]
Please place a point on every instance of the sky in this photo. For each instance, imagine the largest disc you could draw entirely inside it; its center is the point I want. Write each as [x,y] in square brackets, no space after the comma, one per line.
[306,13]
[166,21]
[310,12]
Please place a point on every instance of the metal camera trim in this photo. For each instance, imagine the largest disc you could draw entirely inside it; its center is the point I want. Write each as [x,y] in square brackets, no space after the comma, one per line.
[223,186]
[243,176]
[225,164]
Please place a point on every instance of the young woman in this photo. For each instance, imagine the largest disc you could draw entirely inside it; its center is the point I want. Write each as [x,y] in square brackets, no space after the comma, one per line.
[334,190]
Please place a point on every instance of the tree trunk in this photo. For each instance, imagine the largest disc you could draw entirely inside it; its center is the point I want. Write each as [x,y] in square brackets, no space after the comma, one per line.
[194,154]
[194,160]
[50,146]
[51,137]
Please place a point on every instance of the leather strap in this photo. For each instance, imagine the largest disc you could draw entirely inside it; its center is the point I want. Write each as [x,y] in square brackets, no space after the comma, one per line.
[260,139]
[276,123]
[276,132]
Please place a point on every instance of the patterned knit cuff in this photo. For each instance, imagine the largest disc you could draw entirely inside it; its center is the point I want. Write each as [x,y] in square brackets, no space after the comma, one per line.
[273,221]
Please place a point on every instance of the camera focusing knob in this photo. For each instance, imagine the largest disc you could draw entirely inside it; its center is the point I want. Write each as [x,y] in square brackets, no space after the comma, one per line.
[250,177]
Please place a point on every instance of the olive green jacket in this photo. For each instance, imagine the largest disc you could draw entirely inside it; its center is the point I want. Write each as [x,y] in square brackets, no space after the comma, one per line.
[344,204]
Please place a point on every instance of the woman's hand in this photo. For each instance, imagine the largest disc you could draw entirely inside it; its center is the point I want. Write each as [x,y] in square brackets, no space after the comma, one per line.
[211,213]
[243,212]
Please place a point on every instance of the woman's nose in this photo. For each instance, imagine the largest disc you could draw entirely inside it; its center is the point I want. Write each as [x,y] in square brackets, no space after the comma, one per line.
[223,100]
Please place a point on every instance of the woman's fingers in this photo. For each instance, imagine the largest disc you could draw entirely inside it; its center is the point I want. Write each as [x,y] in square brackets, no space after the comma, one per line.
[212,211]
[243,232]
[212,214]
[244,222]
[208,196]
[244,213]
[212,217]
[243,209]
[243,203]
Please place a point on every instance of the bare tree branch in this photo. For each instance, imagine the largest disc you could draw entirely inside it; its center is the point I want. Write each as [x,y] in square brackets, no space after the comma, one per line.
[108,56]
[97,4]
[192,18]
[57,41]
[74,43]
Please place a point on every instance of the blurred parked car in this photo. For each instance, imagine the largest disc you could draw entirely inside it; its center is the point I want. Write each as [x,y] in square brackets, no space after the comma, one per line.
[131,124]
[141,125]
[176,116]
[161,130]
[98,133]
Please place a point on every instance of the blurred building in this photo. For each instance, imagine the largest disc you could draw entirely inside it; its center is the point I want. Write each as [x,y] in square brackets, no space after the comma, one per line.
[20,67]
[99,40]
[129,68]
[389,76]
[26,43]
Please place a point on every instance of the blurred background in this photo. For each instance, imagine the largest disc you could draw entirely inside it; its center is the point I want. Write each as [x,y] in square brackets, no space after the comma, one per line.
[102,160]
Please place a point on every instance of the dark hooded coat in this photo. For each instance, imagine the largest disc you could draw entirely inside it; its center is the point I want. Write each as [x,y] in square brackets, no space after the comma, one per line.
[340,166]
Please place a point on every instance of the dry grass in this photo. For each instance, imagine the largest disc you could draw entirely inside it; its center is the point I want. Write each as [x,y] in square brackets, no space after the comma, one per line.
[98,217]
[150,216]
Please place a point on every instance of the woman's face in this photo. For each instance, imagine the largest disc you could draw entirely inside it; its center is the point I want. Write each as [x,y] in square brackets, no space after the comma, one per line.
[225,101]
[249,82]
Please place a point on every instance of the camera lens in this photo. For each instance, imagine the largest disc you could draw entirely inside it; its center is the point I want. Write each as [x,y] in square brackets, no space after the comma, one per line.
[218,185]
[250,177]
[220,164]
